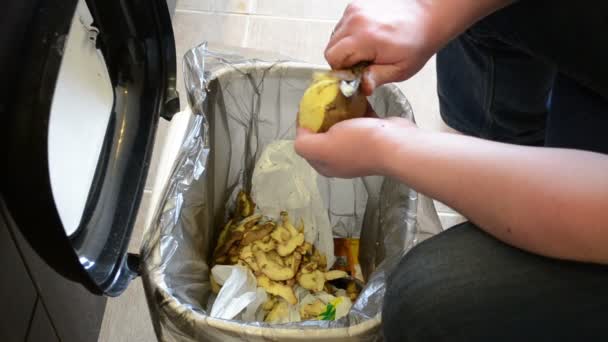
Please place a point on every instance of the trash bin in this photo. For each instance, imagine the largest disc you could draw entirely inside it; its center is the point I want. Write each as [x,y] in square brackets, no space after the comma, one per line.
[240,106]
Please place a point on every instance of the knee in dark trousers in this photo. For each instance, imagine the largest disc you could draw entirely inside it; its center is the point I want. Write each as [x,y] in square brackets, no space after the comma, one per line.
[464,285]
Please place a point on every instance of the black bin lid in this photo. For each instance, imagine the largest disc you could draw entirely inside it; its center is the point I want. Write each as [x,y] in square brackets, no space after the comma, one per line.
[134,40]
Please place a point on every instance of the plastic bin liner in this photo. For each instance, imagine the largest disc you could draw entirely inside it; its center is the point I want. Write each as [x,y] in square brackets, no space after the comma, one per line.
[239,106]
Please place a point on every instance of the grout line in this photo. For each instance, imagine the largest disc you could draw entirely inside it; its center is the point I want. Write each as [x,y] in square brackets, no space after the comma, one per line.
[265,16]
[246,33]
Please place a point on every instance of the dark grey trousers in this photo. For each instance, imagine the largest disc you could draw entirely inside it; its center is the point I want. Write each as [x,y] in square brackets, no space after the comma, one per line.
[465,285]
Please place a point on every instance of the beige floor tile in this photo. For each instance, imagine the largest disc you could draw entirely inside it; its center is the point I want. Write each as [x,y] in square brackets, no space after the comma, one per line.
[127,317]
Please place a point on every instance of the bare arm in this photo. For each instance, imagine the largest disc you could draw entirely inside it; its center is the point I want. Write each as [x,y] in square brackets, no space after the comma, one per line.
[548,201]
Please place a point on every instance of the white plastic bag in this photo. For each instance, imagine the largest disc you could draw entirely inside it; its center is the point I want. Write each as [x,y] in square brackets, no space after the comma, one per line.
[238,290]
[283,181]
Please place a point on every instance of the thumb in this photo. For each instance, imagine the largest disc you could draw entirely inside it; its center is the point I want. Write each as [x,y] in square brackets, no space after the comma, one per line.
[378,74]
[308,145]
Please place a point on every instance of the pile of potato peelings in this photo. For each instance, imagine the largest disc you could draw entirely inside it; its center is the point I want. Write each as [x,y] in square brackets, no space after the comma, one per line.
[279,257]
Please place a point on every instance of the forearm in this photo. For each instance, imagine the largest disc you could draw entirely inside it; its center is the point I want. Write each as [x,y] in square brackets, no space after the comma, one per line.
[552,202]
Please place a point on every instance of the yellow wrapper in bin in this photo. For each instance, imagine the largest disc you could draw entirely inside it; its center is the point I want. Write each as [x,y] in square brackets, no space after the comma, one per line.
[347,256]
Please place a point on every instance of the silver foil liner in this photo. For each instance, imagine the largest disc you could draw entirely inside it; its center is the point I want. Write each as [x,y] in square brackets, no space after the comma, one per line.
[240,105]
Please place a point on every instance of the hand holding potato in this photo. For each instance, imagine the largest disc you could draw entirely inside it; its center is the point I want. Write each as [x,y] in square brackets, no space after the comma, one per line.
[352,148]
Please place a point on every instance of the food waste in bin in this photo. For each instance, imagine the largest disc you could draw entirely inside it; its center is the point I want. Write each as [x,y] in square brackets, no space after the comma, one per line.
[294,275]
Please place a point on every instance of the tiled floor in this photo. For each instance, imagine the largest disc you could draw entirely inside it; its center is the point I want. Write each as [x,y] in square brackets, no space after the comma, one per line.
[295,28]
[127,317]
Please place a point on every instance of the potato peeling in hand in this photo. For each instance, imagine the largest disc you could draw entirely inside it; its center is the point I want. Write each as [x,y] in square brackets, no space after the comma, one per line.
[279,257]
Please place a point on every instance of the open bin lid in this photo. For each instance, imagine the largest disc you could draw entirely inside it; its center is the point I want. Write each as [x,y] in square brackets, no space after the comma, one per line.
[93,79]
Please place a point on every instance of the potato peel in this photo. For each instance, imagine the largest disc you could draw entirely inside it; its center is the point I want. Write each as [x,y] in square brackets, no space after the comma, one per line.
[278,255]
[312,310]
[335,274]
[257,234]
[312,281]
[278,314]
[271,269]
[277,289]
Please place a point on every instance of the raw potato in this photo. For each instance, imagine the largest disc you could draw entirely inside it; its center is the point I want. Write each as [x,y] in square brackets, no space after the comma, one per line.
[312,310]
[324,105]
[271,269]
[278,313]
[277,289]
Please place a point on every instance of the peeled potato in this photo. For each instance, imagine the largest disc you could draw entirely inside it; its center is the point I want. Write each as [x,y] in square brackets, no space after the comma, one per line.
[324,105]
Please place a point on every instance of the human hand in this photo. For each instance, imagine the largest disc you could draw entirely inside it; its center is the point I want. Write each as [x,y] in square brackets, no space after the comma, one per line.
[352,148]
[394,35]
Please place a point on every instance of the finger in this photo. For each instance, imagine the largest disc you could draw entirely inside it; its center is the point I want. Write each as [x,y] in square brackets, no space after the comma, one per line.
[348,52]
[301,131]
[378,74]
[311,146]
[321,168]
[337,34]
